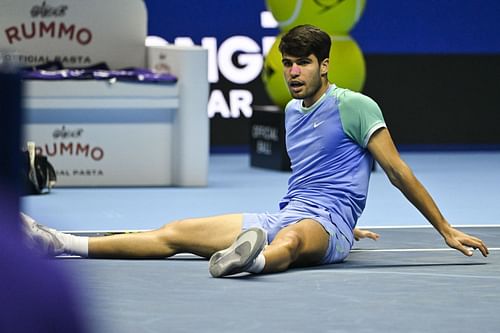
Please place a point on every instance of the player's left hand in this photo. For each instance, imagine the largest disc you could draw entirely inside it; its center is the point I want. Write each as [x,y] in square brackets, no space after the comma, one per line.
[360,233]
[463,242]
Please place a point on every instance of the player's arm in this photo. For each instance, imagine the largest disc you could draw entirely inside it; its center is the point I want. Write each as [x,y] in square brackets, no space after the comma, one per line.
[385,153]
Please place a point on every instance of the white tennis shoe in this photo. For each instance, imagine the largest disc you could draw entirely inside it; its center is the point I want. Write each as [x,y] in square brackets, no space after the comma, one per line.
[240,255]
[40,238]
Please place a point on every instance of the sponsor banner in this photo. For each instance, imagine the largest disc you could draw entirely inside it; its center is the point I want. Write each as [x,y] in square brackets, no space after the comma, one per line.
[76,33]
[100,134]
[235,61]
[106,154]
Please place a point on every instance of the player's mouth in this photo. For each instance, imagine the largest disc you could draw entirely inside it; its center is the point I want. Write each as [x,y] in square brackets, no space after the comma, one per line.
[295,86]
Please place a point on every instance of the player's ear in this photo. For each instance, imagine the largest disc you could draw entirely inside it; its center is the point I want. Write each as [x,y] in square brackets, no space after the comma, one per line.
[324,66]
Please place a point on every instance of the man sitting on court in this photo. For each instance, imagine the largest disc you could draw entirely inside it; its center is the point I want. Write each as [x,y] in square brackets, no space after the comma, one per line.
[332,136]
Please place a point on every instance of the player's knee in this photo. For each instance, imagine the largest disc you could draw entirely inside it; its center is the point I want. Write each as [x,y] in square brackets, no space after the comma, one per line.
[169,233]
[291,242]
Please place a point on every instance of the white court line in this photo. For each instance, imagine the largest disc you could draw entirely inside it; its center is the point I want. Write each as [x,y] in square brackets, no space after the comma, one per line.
[460,276]
[362,227]
[414,250]
[427,226]
[353,250]
[190,255]
[79,232]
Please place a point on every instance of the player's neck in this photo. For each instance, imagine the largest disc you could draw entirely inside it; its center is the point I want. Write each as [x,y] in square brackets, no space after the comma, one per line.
[308,102]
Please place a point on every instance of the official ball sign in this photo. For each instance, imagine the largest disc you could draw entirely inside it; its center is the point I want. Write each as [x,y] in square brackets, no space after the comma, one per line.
[76,33]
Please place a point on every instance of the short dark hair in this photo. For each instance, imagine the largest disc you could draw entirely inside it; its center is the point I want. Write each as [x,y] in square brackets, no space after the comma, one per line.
[304,40]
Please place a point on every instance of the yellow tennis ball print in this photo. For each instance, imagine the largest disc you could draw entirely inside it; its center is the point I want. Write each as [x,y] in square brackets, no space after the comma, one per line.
[332,16]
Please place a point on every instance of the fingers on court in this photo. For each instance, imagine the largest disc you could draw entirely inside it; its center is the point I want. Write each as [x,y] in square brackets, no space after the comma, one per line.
[465,250]
[483,248]
[476,243]
[368,234]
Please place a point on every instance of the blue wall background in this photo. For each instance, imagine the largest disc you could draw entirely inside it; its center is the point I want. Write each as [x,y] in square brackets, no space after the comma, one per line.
[387,26]
[422,58]
[430,26]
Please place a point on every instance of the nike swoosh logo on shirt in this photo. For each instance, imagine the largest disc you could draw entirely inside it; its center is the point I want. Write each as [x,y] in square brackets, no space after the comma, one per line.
[316,124]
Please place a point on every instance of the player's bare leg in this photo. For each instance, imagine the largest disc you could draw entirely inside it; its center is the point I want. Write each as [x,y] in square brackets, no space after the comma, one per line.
[300,244]
[200,236]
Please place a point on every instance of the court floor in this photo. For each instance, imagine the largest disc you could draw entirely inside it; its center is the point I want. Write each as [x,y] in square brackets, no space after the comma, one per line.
[408,281]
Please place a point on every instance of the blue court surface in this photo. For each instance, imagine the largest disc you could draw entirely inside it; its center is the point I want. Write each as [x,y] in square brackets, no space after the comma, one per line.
[408,281]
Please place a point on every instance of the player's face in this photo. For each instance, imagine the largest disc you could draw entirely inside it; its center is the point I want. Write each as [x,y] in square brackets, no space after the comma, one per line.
[304,77]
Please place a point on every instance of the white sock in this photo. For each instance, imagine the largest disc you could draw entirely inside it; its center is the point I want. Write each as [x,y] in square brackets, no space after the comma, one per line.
[77,245]
[258,264]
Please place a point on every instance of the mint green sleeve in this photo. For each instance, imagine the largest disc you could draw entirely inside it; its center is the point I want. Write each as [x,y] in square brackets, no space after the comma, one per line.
[360,116]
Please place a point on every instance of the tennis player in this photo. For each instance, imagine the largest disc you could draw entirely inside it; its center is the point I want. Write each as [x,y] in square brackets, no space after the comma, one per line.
[333,136]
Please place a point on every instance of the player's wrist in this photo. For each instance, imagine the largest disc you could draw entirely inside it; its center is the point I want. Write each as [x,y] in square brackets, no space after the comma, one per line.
[445,229]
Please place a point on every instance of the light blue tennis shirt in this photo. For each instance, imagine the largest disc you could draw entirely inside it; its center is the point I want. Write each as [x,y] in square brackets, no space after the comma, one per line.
[327,147]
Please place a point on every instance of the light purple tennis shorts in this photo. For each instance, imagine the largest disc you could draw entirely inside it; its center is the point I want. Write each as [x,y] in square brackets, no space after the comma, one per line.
[295,211]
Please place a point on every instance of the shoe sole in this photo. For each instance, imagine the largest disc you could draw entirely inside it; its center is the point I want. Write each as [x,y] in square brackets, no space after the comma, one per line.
[239,255]
[48,244]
